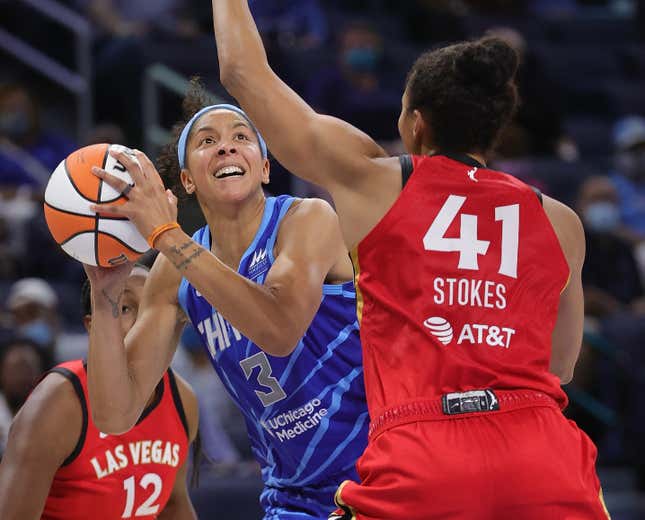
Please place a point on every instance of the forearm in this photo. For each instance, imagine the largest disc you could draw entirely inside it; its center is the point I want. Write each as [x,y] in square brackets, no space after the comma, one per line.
[113,393]
[240,51]
[22,496]
[253,309]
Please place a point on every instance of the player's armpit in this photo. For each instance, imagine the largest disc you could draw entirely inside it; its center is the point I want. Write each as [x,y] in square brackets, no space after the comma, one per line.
[44,433]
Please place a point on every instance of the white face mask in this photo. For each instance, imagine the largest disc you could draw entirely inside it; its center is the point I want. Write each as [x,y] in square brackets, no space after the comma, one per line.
[602,216]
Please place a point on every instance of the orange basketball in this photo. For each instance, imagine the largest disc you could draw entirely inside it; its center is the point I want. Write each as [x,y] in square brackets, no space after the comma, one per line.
[93,238]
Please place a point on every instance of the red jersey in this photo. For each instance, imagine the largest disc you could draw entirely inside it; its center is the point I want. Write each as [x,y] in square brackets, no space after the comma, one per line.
[458,287]
[120,476]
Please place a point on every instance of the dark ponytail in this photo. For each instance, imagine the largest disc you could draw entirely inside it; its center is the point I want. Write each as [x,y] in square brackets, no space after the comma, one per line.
[466,92]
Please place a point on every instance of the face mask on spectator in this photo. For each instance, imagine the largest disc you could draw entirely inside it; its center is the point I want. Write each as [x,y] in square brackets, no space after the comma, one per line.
[632,164]
[39,331]
[361,59]
[14,124]
[602,216]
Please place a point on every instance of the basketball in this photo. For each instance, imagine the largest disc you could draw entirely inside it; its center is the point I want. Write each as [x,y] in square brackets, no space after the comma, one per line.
[99,239]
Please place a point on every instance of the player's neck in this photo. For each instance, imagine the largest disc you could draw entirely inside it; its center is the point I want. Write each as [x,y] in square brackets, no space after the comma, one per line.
[233,227]
[479,157]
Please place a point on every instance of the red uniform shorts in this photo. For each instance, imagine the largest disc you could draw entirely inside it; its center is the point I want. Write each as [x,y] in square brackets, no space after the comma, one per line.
[525,461]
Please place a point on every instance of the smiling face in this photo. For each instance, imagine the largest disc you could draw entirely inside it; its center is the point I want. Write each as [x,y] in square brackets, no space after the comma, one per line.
[223,159]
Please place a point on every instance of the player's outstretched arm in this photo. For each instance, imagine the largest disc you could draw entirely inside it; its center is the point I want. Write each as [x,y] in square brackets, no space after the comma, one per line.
[123,372]
[568,331]
[43,434]
[179,506]
[321,149]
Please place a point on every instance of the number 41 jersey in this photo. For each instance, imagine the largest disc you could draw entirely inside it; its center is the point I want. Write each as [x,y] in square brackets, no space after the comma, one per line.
[305,413]
[458,287]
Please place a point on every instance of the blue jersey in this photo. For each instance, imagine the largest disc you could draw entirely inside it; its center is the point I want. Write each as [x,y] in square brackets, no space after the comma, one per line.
[306,413]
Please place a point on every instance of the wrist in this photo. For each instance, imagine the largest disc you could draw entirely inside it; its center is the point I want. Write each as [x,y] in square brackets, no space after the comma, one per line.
[156,233]
[168,239]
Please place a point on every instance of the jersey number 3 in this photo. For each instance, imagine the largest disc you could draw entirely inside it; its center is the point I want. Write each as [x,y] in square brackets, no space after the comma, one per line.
[264,378]
[468,245]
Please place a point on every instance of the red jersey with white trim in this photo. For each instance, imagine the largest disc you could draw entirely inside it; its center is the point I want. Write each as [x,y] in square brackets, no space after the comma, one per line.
[458,287]
[120,476]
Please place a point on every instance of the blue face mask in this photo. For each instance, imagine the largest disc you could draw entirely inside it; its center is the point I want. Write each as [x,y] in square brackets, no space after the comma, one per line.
[602,216]
[39,331]
[361,59]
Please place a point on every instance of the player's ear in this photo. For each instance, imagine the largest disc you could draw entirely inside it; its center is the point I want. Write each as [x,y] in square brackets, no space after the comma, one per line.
[266,169]
[87,322]
[187,181]
[421,130]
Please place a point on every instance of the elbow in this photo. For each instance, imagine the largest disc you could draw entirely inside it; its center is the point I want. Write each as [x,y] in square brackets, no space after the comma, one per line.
[280,342]
[564,373]
[566,377]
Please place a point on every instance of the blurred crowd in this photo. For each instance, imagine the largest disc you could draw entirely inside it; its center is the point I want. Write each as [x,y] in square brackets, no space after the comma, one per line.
[579,136]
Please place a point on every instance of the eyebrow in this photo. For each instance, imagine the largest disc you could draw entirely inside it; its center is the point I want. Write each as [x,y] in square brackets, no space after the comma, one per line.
[241,123]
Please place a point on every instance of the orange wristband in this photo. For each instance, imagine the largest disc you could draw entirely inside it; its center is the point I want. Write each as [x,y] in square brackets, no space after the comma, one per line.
[160,230]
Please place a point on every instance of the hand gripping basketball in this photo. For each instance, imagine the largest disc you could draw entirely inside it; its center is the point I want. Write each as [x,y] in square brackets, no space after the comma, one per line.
[149,205]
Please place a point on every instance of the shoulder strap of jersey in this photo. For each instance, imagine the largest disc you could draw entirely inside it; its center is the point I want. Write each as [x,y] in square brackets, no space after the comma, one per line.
[285,203]
[538,193]
[407,168]
[78,388]
[176,397]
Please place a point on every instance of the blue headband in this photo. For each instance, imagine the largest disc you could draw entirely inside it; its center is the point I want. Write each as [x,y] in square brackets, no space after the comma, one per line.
[183,138]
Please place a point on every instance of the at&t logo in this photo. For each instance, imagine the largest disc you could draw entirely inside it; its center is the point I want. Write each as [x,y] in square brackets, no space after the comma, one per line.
[439,328]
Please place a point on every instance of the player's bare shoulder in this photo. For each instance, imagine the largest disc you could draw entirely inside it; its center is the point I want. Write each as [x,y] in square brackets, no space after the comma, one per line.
[568,228]
[50,421]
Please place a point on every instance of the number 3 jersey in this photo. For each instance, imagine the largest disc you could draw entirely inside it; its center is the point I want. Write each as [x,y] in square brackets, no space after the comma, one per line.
[120,476]
[458,287]
[305,413]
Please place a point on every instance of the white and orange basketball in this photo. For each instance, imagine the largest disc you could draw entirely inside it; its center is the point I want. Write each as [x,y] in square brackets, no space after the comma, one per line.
[92,238]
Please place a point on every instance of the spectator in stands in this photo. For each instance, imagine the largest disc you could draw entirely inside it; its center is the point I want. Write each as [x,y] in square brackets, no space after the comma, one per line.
[28,152]
[302,22]
[610,274]
[629,173]
[355,88]
[124,18]
[20,367]
[32,304]
[537,129]
[429,21]
[105,133]
[122,29]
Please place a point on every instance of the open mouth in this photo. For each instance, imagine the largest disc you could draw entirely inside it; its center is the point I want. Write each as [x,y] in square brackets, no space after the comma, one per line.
[229,171]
